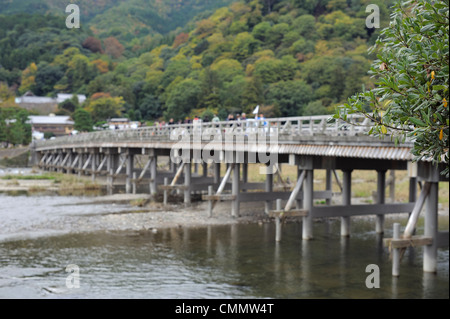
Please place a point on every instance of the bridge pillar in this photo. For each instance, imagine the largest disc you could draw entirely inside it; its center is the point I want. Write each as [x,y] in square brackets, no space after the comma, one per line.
[129,171]
[235,189]
[110,167]
[216,173]
[329,185]
[153,167]
[346,200]
[381,187]
[80,163]
[308,192]
[187,182]
[268,187]
[430,173]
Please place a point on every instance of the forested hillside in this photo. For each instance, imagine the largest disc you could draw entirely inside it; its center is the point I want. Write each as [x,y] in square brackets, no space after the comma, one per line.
[291,57]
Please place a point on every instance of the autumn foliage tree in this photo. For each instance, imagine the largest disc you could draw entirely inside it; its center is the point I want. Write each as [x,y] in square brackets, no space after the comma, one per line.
[410,100]
[113,47]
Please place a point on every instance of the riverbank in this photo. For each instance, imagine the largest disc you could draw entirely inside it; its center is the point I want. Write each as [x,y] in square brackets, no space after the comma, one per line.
[136,212]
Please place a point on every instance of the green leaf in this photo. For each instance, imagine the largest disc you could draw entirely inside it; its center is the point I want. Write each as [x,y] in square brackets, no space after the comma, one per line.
[417,122]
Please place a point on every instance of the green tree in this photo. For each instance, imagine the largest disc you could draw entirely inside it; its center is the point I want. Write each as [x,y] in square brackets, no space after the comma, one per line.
[83,120]
[411,96]
[105,107]
[183,97]
[290,96]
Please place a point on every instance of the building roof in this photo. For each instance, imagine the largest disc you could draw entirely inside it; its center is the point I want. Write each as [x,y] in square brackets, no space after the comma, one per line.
[61,97]
[29,97]
[51,119]
[35,100]
[119,120]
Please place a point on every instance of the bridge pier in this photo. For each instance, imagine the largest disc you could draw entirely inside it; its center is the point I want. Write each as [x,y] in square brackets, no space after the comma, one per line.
[129,171]
[346,200]
[308,193]
[381,188]
[235,190]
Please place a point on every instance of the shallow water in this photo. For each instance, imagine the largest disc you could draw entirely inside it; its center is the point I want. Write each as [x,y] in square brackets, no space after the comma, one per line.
[233,261]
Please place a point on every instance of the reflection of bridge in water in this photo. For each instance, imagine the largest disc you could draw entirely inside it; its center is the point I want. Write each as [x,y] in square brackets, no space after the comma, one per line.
[309,143]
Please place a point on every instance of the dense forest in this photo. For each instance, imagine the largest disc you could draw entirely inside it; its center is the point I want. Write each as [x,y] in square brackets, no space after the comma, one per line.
[150,60]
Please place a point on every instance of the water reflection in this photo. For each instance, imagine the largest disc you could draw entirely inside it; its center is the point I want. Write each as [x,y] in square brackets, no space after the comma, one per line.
[237,261]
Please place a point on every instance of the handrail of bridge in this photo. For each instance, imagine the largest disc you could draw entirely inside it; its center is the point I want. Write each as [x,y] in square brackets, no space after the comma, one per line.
[287,126]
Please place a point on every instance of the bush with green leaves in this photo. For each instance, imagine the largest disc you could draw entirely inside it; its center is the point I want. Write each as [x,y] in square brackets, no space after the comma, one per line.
[410,99]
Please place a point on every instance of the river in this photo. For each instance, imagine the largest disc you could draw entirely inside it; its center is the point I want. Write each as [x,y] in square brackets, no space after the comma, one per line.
[41,235]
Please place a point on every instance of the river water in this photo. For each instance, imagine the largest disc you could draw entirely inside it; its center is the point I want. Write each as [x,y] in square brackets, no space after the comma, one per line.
[39,239]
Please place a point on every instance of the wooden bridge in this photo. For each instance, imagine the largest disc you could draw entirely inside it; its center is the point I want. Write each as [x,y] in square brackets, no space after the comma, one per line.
[309,143]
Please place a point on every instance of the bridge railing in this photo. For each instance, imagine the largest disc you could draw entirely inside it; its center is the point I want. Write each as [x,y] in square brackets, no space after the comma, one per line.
[284,127]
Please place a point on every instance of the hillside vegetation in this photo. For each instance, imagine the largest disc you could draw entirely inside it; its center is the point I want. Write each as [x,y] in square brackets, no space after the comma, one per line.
[151,60]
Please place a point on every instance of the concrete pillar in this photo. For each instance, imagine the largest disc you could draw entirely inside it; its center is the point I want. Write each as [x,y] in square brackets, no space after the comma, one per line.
[110,167]
[205,169]
[381,184]
[268,188]
[299,202]
[80,163]
[346,200]
[329,184]
[278,222]
[431,229]
[93,165]
[308,191]
[187,183]
[153,167]
[235,189]
[216,173]
[129,172]
[412,189]
[166,192]
[396,252]
[245,172]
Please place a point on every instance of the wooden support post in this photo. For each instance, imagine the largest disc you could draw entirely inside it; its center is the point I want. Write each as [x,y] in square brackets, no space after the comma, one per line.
[268,188]
[431,229]
[278,222]
[346,200]
[396,252]
[411,225]
[187,182]
[210,202]
[177,175]
[308,192]
[381,182]
[235,189]
[295,192]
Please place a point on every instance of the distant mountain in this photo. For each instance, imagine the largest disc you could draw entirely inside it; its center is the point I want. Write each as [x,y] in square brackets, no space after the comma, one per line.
[120,18]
